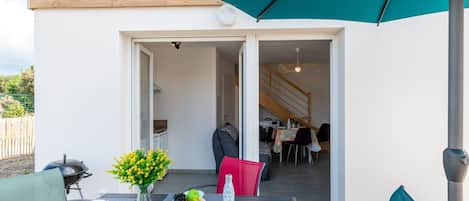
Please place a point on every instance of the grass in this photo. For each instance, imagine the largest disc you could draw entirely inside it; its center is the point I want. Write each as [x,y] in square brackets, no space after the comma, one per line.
[17,166]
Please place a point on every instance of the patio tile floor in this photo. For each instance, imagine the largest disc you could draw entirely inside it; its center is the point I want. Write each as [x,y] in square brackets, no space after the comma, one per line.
[305,182]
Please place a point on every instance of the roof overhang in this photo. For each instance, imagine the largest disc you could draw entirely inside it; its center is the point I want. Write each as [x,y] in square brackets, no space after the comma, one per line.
[61,4]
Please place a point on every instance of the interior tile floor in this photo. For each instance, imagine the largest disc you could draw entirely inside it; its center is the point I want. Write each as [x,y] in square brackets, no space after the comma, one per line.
[305,182]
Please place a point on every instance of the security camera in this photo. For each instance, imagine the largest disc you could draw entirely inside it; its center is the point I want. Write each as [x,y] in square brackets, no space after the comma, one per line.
[176,45]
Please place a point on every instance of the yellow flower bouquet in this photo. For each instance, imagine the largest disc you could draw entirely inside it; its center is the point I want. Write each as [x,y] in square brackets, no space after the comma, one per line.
[140,168]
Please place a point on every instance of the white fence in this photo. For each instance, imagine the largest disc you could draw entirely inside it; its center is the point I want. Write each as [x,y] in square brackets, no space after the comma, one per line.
[16,137]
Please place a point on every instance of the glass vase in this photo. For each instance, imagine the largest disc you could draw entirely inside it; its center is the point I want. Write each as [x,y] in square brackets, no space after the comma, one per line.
[143,194]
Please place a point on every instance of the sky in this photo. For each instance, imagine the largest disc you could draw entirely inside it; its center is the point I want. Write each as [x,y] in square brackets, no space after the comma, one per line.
[16,36]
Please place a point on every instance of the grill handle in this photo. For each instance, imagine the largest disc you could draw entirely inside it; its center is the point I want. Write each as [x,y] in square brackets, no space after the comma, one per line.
[86,175]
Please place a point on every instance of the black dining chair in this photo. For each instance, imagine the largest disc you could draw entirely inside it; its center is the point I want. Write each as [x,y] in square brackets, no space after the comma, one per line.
[324,136]
[302,140]
[324,133]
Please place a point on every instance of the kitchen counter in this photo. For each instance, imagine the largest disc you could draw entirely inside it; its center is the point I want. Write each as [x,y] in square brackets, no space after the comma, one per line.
[160,139]
[161,130]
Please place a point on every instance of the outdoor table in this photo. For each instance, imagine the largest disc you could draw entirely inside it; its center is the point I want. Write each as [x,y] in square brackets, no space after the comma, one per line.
[208,197]
[288,135]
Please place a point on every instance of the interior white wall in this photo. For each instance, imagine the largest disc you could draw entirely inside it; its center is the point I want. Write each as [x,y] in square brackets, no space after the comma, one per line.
[226,89]
[187,99]
[316,79]
[394,123]
[219,90]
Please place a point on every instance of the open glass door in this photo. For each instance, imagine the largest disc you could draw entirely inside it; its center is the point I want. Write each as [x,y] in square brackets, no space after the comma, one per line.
[143,93]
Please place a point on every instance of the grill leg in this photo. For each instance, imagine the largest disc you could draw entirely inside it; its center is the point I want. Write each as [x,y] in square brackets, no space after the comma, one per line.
[79,191]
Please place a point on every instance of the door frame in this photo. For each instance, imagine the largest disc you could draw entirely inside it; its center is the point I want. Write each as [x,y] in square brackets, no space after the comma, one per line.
[337,83]
[135,72]
[337,113]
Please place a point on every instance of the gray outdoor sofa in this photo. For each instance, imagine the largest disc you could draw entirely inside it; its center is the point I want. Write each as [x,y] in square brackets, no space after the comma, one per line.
[225,143]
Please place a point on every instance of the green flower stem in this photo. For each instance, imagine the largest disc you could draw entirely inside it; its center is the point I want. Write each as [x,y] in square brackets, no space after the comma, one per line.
[143,188]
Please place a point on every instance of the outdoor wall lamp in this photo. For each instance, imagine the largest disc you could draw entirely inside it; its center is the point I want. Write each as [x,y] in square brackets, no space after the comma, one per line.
[227,15]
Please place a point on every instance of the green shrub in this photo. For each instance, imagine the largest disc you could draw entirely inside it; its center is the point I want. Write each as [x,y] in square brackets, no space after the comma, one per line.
[27,171]
[12,85]
[11,107]
[13,110]
[20,87]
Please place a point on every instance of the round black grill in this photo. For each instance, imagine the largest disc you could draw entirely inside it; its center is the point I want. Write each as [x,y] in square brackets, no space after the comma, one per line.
[72,171]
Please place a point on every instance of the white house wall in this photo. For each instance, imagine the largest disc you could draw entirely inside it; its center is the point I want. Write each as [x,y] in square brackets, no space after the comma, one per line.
[396,109]
[394,100]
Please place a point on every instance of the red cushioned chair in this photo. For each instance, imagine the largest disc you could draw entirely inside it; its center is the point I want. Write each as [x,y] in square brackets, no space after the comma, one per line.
[246,176]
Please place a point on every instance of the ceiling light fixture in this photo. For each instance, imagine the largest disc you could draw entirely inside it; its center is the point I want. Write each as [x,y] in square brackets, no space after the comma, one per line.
[297,67]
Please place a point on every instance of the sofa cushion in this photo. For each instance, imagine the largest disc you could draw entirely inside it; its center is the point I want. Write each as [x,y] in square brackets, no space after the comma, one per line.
[223,145]
[232,131]
[42,186]
[267,160]
[217,150]
[229,146]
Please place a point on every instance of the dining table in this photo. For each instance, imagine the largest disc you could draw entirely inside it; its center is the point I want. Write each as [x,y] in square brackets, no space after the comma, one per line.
[281,135]
[207,197]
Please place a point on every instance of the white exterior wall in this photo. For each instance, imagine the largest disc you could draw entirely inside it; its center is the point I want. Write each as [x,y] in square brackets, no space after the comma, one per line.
[396,100]
[392,113]
[187,100]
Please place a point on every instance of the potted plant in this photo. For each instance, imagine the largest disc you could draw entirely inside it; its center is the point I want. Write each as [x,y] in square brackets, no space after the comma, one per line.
[141,169]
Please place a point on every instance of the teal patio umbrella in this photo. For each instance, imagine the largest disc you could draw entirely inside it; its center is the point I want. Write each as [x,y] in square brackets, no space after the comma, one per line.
[455,159]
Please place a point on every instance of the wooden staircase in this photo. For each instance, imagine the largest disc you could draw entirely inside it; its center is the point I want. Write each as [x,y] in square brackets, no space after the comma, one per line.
[284,98]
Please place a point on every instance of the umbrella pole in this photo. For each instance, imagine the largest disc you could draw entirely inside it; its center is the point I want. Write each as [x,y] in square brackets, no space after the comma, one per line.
[455,158]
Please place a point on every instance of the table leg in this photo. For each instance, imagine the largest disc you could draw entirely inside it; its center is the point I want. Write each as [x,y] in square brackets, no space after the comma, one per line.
[281,156]
[310,156]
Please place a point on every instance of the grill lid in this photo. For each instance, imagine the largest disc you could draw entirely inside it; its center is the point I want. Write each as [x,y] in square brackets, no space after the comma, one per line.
[68,167]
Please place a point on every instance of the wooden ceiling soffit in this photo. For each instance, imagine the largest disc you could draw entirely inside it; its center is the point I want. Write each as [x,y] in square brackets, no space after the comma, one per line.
[51,4]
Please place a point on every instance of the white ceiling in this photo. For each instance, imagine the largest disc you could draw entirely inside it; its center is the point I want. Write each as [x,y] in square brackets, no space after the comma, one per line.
[270,52]
[284,52]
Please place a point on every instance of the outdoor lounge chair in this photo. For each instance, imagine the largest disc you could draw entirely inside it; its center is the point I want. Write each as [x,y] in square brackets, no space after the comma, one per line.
[42,186]
[246,176]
